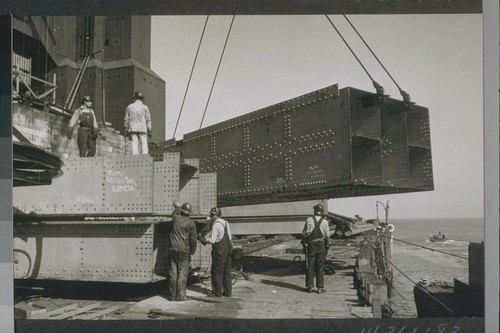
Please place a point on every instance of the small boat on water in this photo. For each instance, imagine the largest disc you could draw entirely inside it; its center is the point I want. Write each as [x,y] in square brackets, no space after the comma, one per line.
[439,237]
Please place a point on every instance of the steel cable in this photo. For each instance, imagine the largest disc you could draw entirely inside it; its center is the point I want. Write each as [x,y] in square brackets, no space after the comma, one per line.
[406,97]
[430,294]
[190,76]
[428,248]
[378,87]
[217,71]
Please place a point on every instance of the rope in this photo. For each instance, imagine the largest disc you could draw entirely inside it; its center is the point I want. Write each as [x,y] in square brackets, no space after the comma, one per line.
[406,299]
[400,271]
[351,249]
[378,87]
[428,248]
[405,95]
[406,276]
[217,72]
[190,76]
[203,299]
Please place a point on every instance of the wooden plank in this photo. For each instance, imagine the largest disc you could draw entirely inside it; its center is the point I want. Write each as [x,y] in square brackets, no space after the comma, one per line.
[27,311]
[55,312]
[77,311]
[98,314]
[377,308]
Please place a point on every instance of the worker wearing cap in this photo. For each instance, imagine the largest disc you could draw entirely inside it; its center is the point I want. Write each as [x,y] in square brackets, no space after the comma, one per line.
[182,245]
[317,241]
[88,130]
[220,238]
[138,124]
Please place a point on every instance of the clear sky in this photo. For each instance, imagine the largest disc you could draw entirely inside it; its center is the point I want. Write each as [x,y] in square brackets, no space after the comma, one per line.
[437,59]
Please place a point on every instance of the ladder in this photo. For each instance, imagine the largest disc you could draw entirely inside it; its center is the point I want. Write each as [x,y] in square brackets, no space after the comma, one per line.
[79,76]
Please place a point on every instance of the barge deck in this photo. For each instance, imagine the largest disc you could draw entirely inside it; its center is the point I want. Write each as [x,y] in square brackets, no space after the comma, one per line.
[269,285]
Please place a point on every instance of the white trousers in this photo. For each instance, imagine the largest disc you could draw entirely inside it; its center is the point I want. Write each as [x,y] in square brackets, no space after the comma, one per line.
[137,138]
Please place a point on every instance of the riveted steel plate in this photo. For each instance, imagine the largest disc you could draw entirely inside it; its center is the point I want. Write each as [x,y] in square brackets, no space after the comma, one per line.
[365,115]
[352,142]
[366,158]
[202,258]
[322,164]
[119,185]
[421,168]
[267,130]
[267,171]
[189,185]
[194,171]
[249,118]
[208,192]
[229,142]
[77,191]
[166,183]
[394,147]
[307,122]
[128,185]
[84,252]
[202,148]
[419,132]
[190,193]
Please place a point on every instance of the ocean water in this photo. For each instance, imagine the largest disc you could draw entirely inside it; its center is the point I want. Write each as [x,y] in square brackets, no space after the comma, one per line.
[416,262]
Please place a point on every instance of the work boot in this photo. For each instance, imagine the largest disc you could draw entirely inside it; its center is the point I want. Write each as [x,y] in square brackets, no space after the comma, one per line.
[321,290]
[309,290]
[212,294]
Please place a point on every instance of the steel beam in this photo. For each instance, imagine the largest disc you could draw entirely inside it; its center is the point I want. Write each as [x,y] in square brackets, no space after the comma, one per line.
[329,143]
[130,185]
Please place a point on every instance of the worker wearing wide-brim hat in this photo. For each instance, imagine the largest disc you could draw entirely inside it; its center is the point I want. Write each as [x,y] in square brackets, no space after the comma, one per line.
[220,238]
[137,124]
[317,241]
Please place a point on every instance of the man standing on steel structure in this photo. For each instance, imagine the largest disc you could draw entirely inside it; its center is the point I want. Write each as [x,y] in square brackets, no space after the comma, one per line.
[182,246]
[138,124]
[317,242]
[220,238]
[87,132]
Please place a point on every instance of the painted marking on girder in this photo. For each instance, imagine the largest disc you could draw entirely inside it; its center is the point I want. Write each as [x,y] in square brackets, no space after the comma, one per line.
[120,183]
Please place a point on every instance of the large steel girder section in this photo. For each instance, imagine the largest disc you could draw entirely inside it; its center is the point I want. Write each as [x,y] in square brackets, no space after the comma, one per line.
[83,251]
[329,143]
[130,185]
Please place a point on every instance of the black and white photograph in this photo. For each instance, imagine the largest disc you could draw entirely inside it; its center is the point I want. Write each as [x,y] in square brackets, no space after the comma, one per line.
[207,171]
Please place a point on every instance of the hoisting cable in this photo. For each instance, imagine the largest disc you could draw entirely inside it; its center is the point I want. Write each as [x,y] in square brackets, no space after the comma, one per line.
[190,76]
[217,71]
[406,96]
[378,87]
[428,248]
[432,296]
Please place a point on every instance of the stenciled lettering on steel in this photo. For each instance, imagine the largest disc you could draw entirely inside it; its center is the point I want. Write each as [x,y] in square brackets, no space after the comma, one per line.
[119,182]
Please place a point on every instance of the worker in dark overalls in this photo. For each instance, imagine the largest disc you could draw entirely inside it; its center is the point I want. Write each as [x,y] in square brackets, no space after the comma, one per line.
[220,238]
[317,242]
[182,246]
[88,130]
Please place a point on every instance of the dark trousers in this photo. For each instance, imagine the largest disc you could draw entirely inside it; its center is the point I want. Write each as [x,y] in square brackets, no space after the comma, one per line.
[178,273]
[221,273]
[316,262]
[86,142]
